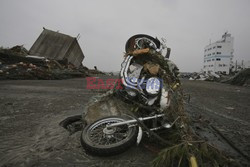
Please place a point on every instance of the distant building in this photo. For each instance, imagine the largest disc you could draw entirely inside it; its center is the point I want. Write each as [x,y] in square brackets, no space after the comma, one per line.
[218,56]
[58,46]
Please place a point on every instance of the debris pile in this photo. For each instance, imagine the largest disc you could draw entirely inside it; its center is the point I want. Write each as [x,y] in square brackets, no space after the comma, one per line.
[202,76]
[241,78]
[15,63]
[17,50]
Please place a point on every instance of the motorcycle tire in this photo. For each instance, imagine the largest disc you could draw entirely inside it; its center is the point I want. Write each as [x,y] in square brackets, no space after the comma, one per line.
[98,140]
[129,46]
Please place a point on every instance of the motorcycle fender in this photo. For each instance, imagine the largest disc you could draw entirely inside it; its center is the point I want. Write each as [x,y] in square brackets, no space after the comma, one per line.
[139,137]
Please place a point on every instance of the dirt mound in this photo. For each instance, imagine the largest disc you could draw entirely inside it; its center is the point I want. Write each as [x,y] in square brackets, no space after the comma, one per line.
[241,79]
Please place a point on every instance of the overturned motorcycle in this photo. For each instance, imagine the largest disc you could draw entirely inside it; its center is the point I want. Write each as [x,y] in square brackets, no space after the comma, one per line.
[148,81]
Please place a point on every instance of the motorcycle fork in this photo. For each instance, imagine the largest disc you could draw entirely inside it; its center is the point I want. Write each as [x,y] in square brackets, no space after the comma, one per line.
[134,122]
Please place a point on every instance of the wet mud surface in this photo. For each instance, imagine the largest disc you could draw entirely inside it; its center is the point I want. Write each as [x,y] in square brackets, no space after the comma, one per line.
[224,107]
[30,113]
[30,134]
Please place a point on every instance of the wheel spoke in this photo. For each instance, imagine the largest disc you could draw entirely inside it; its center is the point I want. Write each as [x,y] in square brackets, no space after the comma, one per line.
[98,135]
[117,138]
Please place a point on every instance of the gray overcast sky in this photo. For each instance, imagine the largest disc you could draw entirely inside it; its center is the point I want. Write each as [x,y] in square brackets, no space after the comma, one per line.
[105,26]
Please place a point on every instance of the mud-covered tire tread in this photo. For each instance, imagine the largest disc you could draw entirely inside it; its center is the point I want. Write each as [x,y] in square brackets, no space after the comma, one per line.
[108,151]
[131,39]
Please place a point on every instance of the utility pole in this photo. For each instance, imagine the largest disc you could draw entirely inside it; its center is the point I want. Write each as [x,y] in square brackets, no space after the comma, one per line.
[235,65]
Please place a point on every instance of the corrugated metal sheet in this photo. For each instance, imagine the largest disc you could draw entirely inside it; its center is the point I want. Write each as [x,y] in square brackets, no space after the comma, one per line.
[58,46]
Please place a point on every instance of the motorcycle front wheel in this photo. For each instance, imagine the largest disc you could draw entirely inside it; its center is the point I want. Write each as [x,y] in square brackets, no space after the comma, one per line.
[96,139]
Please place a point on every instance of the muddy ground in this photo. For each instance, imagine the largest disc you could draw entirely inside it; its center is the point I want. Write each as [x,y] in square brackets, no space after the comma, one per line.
[30,112]
[223,107]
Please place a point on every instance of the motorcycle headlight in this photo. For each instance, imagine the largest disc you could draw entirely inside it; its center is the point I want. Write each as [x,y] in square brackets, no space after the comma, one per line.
[153,86]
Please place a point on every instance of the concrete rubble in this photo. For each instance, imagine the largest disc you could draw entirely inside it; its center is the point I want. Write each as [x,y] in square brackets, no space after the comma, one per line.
[58,46]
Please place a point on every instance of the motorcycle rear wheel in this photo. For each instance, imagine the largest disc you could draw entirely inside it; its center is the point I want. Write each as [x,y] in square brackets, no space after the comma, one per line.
[96,139]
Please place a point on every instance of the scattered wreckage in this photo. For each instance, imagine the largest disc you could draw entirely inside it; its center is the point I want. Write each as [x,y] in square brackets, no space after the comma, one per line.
[241,78]
[16,63]
[150,100]
[205,76]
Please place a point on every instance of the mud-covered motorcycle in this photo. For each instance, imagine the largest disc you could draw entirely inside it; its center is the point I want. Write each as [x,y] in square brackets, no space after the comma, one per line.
[146,87]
